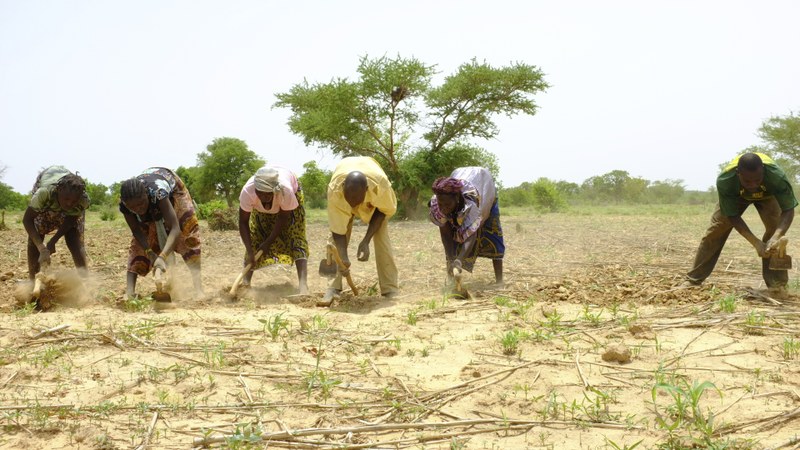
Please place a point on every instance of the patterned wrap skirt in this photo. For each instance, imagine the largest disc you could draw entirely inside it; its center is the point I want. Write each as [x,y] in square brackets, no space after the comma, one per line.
[489,243]
[188,245]
[290,245]
[47,221]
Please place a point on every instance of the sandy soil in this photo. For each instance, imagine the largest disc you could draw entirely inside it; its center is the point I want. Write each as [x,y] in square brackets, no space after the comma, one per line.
[519,367]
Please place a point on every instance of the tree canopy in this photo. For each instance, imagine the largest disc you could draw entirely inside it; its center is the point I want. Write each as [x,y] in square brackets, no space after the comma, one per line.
[416,131]
[225,166]
[781,140]
[315,185]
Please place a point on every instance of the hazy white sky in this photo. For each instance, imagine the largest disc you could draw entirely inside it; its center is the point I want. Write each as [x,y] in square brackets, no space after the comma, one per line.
[660,89]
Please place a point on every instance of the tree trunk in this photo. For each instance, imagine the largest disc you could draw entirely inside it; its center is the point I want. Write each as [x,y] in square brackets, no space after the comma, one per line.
[409,204]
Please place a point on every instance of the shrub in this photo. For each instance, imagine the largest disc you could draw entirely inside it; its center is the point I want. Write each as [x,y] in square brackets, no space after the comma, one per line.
[108,214]
[205,210]
[546,196]
[224,219]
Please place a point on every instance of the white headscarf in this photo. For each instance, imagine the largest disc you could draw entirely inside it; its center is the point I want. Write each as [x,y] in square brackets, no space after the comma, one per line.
[266,180]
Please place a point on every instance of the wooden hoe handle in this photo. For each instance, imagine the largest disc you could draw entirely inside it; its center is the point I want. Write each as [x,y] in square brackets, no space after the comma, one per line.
[332,251]
[247,268]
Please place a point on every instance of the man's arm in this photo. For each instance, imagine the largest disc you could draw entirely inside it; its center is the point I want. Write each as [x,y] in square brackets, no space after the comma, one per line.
[783,226]
[244,233]
[449,244]
[68,223]
[741,227]
[340,240]
[30,227]
[465,250]
[136,231]
[374,224]
[171,221]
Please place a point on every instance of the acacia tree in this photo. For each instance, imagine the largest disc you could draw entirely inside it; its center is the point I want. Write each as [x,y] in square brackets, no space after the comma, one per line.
[781,136]
[414,130]
[226,165]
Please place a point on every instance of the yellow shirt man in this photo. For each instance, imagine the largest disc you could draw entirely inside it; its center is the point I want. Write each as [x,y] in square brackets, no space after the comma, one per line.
[359,187]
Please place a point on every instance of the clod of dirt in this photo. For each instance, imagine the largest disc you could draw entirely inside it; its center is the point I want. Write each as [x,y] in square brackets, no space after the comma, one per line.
[386,351]
[6,276]
[471,371]
[617,352]
[640,330]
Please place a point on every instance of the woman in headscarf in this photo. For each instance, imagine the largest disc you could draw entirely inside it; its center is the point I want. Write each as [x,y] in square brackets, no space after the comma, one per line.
[464,207]
[161,215]
[274,200]
[58,202]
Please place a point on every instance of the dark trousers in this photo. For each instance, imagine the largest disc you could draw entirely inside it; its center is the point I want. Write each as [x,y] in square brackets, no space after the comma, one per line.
[711,245]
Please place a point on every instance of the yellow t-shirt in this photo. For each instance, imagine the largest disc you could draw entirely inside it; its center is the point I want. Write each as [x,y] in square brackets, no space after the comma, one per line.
[380,194]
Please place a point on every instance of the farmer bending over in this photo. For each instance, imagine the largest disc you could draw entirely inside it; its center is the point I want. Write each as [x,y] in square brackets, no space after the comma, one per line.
[160,213]
[359,187]
[464,207]
[751,178]
[274,199]
[58,202]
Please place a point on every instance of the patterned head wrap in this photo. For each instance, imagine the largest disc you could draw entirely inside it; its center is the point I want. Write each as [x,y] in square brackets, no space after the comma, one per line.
[448,185]
[266,180]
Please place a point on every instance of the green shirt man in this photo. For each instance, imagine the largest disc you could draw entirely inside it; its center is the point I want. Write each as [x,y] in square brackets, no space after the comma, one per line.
[773,184]
[750,179]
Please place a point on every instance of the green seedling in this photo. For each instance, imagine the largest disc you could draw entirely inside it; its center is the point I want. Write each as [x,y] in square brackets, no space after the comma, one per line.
[274,324]
[727,304]
[510,342]
[685,410]
[791,348]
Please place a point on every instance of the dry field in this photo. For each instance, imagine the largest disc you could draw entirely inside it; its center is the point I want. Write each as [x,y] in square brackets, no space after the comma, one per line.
[519,367]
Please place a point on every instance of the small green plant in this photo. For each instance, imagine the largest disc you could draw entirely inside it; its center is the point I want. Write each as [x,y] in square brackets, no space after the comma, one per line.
[373,290]
[616,446]
[319,323]
[25,310]
[458,443]
[411,318]
[727,304]
[510,342]
[593,318]
[137,303]
[274,324]
[551,407]
[553,323]
[48,356]
[685,411]
[245,436]
[215,355]
[525,388]
[791,348]
[432,304]
[754,322]
[502,301]
[145,329]
[319,379]
[658,345]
